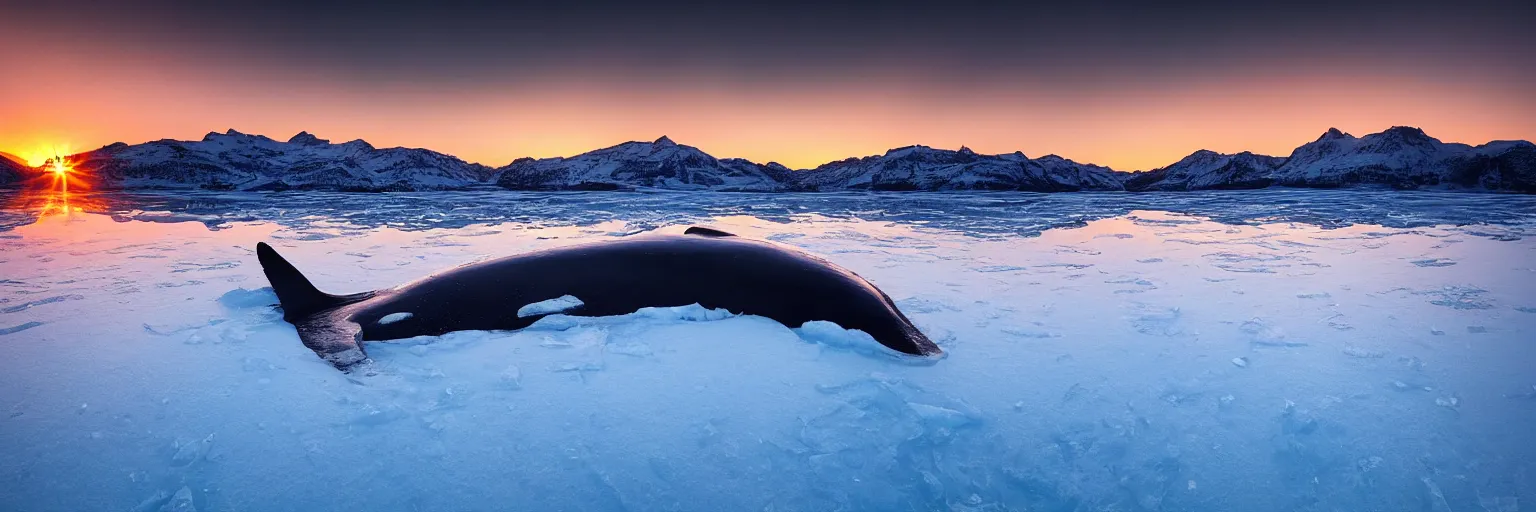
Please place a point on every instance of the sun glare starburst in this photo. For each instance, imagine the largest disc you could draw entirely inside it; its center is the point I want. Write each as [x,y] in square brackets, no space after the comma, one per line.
[61,174]
[55,189]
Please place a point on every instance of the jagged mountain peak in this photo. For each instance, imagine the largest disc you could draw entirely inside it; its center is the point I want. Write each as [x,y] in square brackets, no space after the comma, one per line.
[308,139]
[920,167]
[1206,169]
[1400,156]
[231,134]
[1407,134]
[358,144]
[905,150]
[1203,155]
[661,164]
[1405,131]
[1334,133]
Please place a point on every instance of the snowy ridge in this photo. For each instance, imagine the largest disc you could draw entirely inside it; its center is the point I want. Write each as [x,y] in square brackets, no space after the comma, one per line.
[925,168]
[1400,157]
[233,160]
[658,164]
[1208,170]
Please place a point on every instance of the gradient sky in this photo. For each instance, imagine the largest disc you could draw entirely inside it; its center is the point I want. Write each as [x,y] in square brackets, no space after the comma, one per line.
[1114,83]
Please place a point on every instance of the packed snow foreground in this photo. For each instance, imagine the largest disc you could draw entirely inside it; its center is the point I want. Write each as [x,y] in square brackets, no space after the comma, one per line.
[1327,355]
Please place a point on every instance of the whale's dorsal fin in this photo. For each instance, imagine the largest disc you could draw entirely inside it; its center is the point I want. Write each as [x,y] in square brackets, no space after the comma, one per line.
[298,296]
[703,231]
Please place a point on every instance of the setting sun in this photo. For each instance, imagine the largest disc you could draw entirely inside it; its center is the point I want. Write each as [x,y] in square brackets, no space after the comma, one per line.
[61,171]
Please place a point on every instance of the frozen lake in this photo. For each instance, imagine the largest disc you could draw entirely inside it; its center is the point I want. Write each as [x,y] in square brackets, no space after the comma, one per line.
[1266,350]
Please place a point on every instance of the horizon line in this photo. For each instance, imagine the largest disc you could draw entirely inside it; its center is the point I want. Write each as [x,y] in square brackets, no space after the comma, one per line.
[231,132]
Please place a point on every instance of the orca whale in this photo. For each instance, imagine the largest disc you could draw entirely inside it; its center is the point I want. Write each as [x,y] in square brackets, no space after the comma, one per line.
[704,266]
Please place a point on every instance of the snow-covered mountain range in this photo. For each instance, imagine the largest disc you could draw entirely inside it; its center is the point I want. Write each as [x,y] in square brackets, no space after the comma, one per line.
[233,160]
[1400,157]
[658,164]
[1208,170]
[925,168]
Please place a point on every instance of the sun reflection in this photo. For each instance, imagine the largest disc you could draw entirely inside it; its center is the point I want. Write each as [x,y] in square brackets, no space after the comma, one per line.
[56,203]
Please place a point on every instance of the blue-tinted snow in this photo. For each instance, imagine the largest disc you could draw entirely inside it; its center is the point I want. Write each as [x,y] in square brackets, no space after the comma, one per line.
[1268,350]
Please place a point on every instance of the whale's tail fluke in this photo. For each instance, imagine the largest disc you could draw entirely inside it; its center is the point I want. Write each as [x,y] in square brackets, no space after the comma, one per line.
[298,296]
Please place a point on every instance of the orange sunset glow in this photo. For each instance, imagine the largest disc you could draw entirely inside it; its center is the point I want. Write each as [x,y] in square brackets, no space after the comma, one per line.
[1137,128]
[1138,101]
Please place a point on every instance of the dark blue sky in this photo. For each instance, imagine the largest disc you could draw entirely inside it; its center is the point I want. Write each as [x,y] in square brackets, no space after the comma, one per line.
[1068,41]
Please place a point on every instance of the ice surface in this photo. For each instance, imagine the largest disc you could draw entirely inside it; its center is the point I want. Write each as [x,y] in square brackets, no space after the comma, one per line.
[1092,345]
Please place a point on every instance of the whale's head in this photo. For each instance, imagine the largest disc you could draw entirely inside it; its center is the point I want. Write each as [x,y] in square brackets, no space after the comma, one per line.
[898,333]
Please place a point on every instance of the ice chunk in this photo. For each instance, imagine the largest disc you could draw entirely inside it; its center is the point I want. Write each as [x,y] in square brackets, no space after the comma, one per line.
[240,298]
[835,336]
[1157,320]
[181,502]
[396,317]
[1435,262]
[1437,501]
[555,305]
[940,417]
[511,377]
[153,503]
[50,300]
[691,312]
[1265,335]
[189,451]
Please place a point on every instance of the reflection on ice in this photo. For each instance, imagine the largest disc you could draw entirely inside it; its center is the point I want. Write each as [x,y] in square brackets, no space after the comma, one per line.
[1277,350]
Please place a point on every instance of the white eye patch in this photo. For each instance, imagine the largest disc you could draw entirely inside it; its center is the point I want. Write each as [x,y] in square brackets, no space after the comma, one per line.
[394,317]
